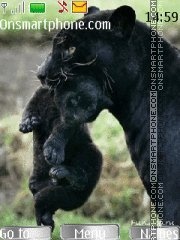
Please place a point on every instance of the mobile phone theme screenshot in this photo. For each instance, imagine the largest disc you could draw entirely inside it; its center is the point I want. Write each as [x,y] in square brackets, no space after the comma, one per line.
[89,120]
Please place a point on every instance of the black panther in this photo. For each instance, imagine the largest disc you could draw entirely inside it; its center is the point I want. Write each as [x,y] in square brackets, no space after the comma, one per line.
[56,119]
[123,55]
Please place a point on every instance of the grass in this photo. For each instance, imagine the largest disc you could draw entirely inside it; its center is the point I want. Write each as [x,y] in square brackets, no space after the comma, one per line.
[113,136]
[8,218]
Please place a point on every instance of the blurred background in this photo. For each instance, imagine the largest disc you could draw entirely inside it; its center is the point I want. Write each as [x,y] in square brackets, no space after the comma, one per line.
[119,196]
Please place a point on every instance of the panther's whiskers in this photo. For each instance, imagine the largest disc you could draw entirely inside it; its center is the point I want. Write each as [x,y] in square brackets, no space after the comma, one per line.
[52,80]
[32,71]
[57,83]
[35,80]
[108,80]
[67,60]
[85,64]
[112,80]
[69,74]
[64,75]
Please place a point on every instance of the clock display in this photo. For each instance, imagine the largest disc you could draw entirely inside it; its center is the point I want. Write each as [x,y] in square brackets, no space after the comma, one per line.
[166,17]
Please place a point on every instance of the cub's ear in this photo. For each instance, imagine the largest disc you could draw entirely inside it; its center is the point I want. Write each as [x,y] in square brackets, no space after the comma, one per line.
[92,10]
[123,20]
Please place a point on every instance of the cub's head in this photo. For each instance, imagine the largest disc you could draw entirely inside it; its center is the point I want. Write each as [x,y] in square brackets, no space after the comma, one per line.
[81,99]
[78,48]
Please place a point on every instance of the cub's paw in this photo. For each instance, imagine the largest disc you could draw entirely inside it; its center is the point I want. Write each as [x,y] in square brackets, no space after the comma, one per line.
[76,178]
[43,216]
[35,185]
[53,152]
[29,123]
[45,219]
[59,172]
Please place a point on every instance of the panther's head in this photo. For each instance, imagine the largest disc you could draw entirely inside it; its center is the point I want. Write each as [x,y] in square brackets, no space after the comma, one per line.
[81,99]
[74,50]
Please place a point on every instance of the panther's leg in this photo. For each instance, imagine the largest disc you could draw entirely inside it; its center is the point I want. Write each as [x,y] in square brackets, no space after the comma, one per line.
[82,170]
[40,175]
[76,176]
[38,117]
[171,205]
[49,199]
[31,118]
[54,147]
[177,215]
[170,215]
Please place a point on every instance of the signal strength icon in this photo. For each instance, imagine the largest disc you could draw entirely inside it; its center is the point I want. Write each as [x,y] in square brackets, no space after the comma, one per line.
[4,6]
[20,9]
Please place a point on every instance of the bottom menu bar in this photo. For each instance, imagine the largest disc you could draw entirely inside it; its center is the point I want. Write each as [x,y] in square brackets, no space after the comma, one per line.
[91,232]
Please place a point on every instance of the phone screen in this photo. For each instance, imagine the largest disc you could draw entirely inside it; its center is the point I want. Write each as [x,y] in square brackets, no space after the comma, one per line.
[112,67]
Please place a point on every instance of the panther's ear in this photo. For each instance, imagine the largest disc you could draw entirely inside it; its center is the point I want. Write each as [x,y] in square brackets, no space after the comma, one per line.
[92,10]
[123,20]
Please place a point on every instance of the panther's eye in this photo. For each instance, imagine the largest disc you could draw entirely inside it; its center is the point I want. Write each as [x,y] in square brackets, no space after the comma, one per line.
[67,54]
[72,50]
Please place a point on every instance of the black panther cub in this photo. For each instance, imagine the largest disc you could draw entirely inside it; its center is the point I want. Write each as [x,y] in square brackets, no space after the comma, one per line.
[79,102]
[123,55]
[79,169]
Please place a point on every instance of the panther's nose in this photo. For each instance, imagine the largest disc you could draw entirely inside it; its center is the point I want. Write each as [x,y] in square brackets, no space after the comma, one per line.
[41,74]
[43,69]
[41,77]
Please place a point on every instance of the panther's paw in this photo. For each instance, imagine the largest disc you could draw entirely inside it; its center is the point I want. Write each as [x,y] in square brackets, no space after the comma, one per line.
[53,152]
[45,219]
[77,179]
[59,172]
[29,123]
[35,185]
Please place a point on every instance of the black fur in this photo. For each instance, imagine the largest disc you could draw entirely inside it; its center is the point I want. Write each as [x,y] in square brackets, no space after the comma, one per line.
[67,185]
[123,56]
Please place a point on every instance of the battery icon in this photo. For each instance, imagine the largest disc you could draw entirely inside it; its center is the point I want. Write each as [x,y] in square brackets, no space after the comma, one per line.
[37,7]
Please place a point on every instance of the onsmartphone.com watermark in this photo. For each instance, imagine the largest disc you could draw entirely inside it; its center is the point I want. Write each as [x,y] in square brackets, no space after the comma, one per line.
[53,25]
[156,119]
